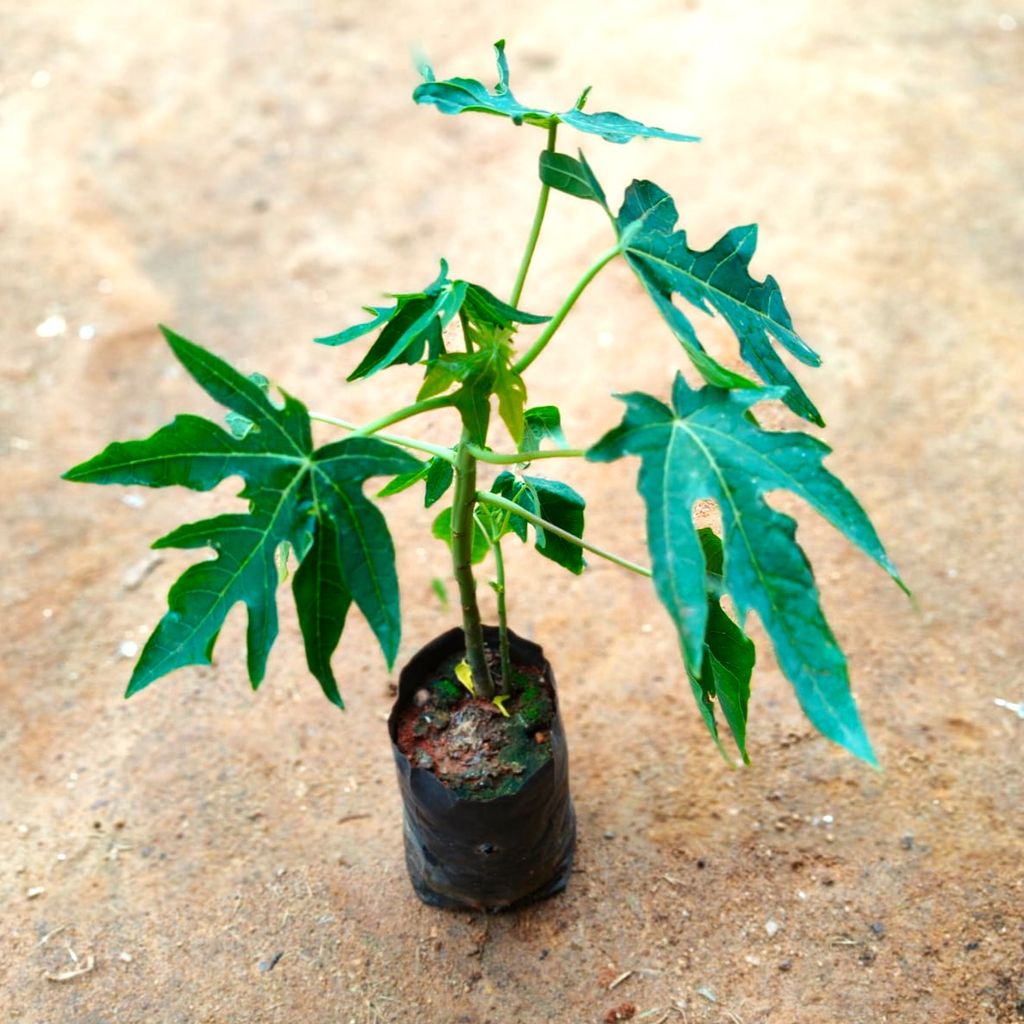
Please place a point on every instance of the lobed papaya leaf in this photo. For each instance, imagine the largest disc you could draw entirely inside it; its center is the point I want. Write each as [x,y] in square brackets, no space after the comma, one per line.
[716,279]
[556,502]
[460,95]
[703,446]
[309,499]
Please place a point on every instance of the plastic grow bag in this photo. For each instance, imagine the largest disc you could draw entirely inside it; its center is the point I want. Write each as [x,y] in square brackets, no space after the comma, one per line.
[484,854]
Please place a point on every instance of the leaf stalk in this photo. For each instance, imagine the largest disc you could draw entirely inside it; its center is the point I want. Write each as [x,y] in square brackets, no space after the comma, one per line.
[496,500]
[405,442]
[556,321]
[406,412]
[538,220]
[521,458]
[503,645]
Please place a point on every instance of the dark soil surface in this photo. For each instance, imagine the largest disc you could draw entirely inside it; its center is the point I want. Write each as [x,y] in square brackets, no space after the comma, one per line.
[473,746]
[251,174]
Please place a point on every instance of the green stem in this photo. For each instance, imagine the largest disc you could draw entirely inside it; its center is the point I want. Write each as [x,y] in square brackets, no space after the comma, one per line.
[506,659]
[463,502]
[466,334]
[488,498]
[517,458]
[427,405]
[538,220]
[556,321]
[406,442]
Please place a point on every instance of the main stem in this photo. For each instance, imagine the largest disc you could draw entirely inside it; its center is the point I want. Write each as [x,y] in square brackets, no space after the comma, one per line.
[538,220]
[463,502]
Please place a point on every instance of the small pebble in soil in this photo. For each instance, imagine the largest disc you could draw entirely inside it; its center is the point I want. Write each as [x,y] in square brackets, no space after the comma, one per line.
[52,326]
[972,946]
[772,928]
[624,1011]
[907,841]
[786,965]
[271,962]
[877,928]
[609,834]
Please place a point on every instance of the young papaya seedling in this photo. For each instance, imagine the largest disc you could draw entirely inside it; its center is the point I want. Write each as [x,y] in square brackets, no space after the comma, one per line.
[701,442]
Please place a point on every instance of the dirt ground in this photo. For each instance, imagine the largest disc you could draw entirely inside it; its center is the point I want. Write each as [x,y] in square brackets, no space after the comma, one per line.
[251,174]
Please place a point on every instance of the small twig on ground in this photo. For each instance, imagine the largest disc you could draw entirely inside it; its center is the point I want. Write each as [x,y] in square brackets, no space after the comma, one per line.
[620,979]
[1017,709]
[76,972]
[49,935]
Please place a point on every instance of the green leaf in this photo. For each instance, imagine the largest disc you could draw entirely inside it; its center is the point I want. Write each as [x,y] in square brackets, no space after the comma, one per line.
[459,95]
[614,127]
[440,592]
[728,656]
[367,553]
[292,491]
[510,389]
[415,325]
[473,401]
[440,474]
[322,601]
[704,447]
[541,423]
[510,486]
[718,278]
[385,314]
[411,327]
[555,502]
[381,316]
[482,307]
[245,569]
[442,530]
[404,481]
[574,177]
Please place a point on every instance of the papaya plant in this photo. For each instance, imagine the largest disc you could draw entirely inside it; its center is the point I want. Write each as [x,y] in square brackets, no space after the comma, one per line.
[702,441]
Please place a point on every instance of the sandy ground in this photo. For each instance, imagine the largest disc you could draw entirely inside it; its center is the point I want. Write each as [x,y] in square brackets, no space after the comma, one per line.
[252,174]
